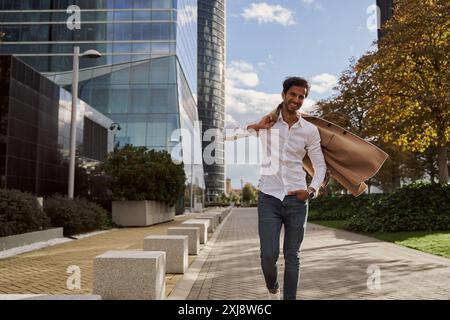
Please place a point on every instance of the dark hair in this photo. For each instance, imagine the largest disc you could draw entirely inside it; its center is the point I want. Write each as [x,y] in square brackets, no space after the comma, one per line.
[296,81]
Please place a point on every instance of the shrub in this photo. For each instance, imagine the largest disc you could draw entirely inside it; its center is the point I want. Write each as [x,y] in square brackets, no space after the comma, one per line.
[20,213]
[140,174]
[75,216]
[414,207]
[341,207]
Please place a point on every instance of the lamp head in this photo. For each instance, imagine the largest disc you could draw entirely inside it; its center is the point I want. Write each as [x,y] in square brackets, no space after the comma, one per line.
[91,54]
[115,125]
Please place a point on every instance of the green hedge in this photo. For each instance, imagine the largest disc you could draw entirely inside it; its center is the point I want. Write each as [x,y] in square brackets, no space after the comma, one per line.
[75,216]
[415,207]
[342,207]
[20,213]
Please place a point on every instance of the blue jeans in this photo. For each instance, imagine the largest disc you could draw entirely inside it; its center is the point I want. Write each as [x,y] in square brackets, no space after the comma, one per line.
[272,214]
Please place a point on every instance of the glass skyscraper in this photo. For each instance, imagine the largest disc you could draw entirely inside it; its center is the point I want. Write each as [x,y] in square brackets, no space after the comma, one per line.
[146,79]
[211,84]
[386,11]
[35,116]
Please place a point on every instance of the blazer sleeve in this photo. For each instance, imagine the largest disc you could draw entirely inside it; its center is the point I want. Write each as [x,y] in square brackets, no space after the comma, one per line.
[315,154]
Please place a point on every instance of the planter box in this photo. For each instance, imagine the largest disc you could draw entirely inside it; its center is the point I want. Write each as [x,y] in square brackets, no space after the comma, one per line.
[24,239]
[141,213]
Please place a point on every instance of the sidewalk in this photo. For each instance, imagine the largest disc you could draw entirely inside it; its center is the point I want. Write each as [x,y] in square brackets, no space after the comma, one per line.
[45,271]
[334,265]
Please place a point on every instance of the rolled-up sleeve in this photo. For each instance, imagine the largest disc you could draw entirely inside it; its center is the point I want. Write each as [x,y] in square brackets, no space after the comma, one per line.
[316,156]
[240,132]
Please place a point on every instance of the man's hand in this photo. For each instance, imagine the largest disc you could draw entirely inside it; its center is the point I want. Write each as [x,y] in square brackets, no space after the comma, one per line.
[265,123]
[301,194]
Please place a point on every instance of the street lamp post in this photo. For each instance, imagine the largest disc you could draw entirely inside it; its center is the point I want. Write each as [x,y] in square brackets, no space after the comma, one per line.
[242,192]
[73,121]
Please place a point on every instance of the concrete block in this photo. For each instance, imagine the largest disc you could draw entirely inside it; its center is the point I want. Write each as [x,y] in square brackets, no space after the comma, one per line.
[141,213]
[215,216]
[175,247]
[193,234]
[130,275]
[202,224]
[212,222]
[24,239]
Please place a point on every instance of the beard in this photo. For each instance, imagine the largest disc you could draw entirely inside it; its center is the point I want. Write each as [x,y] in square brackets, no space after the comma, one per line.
[291,108]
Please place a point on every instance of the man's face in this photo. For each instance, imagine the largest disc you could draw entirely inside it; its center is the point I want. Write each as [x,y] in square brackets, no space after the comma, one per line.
[294,97]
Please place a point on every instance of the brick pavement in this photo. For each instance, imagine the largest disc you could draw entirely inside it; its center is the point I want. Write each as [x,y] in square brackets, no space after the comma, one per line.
[44,271]
[334,265]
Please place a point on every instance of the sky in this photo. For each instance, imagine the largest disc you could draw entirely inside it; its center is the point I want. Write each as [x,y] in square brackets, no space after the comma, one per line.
[268,41]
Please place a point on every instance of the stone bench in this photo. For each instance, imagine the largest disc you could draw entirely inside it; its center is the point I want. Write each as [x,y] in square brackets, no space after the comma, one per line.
[223,213]
[193,234]
[213,215]
[175,247]
[130,275]
[212,222]
[217,214]
[200,223]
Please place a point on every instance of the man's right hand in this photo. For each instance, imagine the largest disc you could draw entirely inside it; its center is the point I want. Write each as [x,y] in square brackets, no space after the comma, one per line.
[265,123]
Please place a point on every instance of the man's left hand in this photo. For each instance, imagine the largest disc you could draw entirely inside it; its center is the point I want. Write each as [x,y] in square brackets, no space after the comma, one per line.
[301,194]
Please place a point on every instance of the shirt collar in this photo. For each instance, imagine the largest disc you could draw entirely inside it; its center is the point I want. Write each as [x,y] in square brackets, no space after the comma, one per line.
[298,123]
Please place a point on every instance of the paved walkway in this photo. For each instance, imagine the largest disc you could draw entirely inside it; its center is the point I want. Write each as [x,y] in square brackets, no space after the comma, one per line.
[334,265]
[45,271]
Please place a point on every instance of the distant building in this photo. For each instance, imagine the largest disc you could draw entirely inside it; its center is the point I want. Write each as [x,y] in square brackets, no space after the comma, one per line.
[228,186]
[386,11]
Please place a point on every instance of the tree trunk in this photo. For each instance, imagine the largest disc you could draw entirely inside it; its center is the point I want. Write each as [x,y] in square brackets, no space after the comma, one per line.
[443,164]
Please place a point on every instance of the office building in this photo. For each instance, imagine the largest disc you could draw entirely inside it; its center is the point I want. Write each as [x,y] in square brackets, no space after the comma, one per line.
[146,79]
[211,88]
[35,116]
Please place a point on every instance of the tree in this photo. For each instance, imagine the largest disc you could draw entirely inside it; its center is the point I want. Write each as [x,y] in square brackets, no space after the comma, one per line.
[412,75]
[249,193]
[349,108]
[140,174]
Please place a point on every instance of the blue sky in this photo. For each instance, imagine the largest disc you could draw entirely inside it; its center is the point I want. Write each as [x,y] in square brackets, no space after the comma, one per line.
[270,40]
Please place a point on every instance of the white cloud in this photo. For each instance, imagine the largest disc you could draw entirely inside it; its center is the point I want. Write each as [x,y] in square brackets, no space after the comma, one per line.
[314,4]
[230,120]
[262,65]
[266,13]
[247,101]
[242,73]
[243,102]
[323,83]
[187,15]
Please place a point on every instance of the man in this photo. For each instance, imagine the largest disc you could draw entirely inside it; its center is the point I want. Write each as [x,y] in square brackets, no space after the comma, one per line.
[284,194]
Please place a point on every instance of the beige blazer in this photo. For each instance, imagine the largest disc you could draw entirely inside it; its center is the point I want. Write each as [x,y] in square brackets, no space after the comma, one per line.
[350,159]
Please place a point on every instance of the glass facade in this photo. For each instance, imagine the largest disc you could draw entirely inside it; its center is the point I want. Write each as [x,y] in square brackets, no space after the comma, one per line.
[386,10]
[35,130]
[122,30]
[149,51]
[211,86]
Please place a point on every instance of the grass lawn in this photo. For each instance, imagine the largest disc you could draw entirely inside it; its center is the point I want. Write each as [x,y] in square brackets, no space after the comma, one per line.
[434,242]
